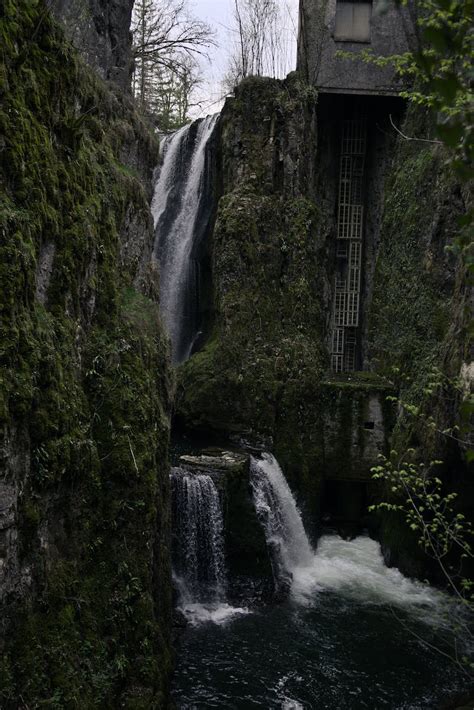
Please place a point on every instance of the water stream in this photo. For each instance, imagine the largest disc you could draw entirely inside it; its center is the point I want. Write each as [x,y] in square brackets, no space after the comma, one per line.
[181,210]
[200,575]
[354,568]
[350,634]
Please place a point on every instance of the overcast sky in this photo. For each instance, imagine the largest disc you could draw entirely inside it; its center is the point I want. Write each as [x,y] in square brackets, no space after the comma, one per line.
[218,13]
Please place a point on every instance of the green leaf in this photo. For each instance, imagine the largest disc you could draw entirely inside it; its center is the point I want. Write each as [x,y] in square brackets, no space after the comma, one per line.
[470,455]
[451,134]
[436,37]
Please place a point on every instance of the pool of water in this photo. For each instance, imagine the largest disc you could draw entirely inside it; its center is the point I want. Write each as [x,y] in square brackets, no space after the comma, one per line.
[348,637]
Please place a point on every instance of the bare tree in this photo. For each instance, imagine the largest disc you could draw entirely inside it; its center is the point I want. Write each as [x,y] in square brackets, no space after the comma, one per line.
[170,96]
[167,41]
[263,31]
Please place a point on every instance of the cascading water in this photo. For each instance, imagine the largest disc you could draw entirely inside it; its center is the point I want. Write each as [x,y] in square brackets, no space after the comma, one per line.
[354,568]
[199,560]
[281,519]
[338,640]
[199,530]
[182,210]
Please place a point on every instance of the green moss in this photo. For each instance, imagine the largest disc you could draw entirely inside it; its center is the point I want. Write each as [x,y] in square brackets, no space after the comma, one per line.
[418,292]
[410,313]
[417,318]
[235,383]
[85,380]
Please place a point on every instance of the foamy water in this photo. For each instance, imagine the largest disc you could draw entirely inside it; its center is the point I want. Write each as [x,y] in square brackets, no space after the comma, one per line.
[333,644]
[197,614]
[356,569]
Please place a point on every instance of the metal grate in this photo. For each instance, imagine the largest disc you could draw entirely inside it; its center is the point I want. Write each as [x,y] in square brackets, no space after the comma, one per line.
[338,341]
[350,351]
[351,319]
[350,226]
[351,178]
[338,363]
[354,136]
[355,264]
[339,308]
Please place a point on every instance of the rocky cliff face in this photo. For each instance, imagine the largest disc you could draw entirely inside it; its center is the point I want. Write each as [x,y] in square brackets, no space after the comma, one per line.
[100,30]
[84,402]
[419,316]
[260,365]
[264,373]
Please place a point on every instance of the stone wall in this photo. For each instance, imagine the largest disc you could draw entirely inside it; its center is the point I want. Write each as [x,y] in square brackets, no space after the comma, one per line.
[357,423]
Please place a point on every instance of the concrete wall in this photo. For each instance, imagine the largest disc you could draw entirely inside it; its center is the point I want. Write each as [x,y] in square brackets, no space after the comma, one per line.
[357,424]
[317,49]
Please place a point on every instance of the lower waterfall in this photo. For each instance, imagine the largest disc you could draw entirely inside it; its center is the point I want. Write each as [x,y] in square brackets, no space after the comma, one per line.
[353,568]
[281,519]
[198,556]
[343,623]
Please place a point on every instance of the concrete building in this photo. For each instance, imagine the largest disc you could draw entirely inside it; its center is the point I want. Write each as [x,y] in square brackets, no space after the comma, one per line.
[329,27]
[356,105]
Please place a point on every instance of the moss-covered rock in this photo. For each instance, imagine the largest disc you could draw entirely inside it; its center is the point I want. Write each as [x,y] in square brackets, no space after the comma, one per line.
[260,370]
[419,318]
[84,397]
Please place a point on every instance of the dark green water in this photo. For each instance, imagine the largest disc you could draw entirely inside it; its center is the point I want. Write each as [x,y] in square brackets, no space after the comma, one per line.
[336,654]
[351,634]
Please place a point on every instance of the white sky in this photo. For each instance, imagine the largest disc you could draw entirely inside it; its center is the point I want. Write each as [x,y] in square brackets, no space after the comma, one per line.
[218,14]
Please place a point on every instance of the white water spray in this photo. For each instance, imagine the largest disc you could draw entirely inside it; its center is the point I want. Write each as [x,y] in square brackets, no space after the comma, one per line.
[198,522]
[351,568]
[281,519]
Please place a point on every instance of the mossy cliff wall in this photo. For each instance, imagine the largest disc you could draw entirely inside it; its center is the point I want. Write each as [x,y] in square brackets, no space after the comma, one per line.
[262,372]
[84,399]
[259,372]
[420,314]
[100,30]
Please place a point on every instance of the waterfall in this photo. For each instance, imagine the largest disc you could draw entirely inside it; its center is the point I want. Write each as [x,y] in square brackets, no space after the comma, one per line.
[199,573]
[281,519]
[354,568]
[182,210]
[199,537]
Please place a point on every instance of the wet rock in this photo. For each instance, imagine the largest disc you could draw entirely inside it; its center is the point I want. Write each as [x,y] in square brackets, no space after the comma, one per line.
[247,553]
[100,30]
[215,460]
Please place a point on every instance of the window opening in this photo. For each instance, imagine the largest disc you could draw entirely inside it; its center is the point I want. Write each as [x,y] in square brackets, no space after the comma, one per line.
[352,21]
